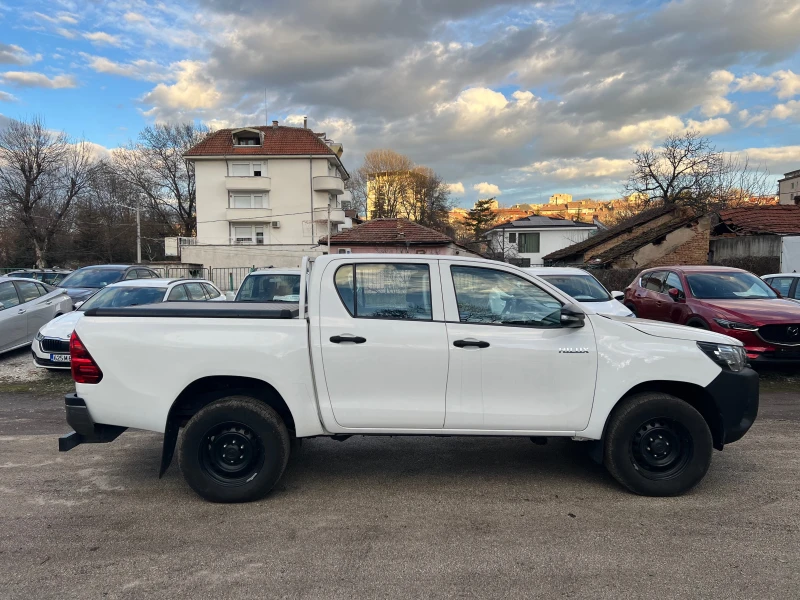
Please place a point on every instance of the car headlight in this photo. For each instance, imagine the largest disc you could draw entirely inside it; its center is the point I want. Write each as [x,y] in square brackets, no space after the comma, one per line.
[727,324]
[726,356]
[39,336]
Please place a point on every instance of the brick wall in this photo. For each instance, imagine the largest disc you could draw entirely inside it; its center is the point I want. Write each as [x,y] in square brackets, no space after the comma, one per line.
[684,246]
[622,237]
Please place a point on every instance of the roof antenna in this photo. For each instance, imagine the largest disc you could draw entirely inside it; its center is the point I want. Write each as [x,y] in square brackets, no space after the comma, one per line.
[266,117]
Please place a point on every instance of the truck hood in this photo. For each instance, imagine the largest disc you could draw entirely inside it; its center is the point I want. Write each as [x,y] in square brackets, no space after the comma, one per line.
[61,327]
[676,332]
[756,312]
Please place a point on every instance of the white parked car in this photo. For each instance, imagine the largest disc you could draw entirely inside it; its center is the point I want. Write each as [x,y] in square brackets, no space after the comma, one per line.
[51,346]
[406,344]
[787,284]
[585,288]
[270,285]
[26,305]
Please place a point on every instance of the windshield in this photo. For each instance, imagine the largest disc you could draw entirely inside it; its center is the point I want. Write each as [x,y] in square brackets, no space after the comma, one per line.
[91,277]
[270,288]
[124,296]
[584,288]
[728,286]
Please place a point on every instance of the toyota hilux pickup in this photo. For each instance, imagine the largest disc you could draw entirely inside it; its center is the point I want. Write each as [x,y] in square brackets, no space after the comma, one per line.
[406,345]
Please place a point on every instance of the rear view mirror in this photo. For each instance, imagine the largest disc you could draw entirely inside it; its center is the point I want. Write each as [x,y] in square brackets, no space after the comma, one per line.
[572,316]
[619,296]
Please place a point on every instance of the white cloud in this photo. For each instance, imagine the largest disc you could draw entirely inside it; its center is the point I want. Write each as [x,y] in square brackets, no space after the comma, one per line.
[456,188]
[33,79]
[11,54]
[781,112]
[192,91]
[786,83]
[132,17]
[486,189]
[6,97]
[718,86]
[138,69]
[67,33]
[579,168]
[62,17]
[102,38]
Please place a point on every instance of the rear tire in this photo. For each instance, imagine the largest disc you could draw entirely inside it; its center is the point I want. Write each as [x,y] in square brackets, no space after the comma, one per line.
[657,445]
[234,450]
[632,308]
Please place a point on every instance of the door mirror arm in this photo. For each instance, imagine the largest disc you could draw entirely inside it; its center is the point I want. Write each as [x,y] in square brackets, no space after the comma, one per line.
[572,316]
[619,296]
[676,294]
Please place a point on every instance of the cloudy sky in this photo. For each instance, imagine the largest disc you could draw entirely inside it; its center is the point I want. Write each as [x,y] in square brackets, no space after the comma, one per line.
[516,99]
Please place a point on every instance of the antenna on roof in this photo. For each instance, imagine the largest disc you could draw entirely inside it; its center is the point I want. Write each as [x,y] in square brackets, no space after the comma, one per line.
[266,116]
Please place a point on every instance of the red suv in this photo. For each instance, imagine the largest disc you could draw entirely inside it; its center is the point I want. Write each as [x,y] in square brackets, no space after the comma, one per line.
[722,299]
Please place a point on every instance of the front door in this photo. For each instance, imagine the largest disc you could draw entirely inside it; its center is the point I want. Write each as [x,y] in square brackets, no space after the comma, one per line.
[384,344]
[512,365]
[13,321]
[39,311]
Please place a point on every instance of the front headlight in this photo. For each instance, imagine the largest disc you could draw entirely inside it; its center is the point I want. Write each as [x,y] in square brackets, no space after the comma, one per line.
[735,325]
[730,357]
[39,336]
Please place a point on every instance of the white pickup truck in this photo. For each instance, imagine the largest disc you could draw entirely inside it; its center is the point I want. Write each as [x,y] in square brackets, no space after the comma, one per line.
[407,345]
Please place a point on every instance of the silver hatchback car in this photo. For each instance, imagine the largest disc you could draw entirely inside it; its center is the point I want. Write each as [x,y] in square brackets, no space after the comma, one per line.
[26,305]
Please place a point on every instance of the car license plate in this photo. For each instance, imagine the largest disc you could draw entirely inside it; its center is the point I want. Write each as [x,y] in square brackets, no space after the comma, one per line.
[59,358]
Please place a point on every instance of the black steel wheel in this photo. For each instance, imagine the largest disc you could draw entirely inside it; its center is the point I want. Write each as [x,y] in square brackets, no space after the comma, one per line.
[657,445]
[660,448]
[234,450]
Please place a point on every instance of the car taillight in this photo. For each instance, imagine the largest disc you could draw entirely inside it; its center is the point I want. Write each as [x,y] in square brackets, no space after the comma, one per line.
[84,369]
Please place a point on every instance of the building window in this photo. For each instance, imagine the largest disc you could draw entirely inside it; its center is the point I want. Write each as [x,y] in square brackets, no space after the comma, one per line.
[512,238]
[248,234]
[247,138]
[528,243]
[248,169]
[239,200]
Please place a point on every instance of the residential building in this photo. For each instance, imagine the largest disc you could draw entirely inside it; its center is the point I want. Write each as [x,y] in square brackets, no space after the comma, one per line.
[560,198]
[528,240]
[267,190]
[395,236]
[789,188]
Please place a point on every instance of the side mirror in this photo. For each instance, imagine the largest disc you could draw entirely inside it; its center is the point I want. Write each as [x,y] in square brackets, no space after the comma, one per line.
[77,305]
[675,294]
[619,296]
[572,316]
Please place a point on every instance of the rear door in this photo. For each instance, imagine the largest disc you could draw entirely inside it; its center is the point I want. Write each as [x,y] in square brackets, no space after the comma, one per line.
[384,343]
[649,295]
[13,320]
[195,292]
[512,366]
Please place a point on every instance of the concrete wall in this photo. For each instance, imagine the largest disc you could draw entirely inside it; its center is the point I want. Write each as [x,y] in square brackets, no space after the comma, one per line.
[744,246]
[290,194]
[685,246]
[550,240]
[248,256]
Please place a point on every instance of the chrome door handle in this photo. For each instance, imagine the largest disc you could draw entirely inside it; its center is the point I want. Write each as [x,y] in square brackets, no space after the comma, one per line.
[22,311]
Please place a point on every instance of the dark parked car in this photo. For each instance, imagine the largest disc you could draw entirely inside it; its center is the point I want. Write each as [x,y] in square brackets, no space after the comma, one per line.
[722,299]
[86,281]
[48,276]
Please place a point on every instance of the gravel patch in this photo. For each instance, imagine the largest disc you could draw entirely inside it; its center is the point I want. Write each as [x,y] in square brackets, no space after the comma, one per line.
[17,371]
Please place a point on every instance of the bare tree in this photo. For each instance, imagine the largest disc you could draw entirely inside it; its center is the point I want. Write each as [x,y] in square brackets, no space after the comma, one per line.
[739,184]
[42,174]
[385,177]
[156,167]
[427,199]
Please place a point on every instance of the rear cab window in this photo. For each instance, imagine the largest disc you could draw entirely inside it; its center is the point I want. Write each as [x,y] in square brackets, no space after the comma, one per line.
[385,290]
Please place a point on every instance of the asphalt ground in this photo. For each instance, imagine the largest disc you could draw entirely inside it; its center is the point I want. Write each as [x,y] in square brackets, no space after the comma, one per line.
[390,517]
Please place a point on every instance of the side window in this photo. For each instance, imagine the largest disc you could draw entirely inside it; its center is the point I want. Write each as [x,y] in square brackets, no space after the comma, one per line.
[178,294]
[28,291]
[132,274]
[42,289]
[144,274]
[672,281]
[385,291]
[782,284]
[195,292]
[8,295]
[496,297]
[652,281]
[210,291]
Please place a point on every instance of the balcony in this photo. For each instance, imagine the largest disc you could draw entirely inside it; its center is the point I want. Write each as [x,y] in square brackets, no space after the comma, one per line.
[251,215]
[328,183]
[248,184]
[337,216]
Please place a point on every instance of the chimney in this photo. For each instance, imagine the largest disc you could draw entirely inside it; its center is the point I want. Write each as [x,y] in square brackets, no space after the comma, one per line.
[274,124]
[305,122]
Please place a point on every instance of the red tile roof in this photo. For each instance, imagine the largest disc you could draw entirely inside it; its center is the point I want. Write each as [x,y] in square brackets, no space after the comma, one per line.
[388,232]
[277,141]
[780,219]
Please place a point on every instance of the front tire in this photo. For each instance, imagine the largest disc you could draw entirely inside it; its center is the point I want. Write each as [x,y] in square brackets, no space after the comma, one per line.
[234,450]
[657,445]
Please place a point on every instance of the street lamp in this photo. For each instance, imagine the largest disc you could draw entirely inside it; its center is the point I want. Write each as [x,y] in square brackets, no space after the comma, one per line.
[138,228]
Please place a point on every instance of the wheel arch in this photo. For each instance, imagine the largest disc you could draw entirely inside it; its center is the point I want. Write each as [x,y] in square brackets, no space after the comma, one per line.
[202,392]
[694,395]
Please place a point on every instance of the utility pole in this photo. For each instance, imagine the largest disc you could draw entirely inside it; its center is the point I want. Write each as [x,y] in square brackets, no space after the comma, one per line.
[329,225]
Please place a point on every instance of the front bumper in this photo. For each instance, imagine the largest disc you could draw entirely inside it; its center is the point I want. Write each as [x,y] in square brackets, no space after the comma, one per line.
[735,396]
[775,356]
[86,431]
[46,363]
